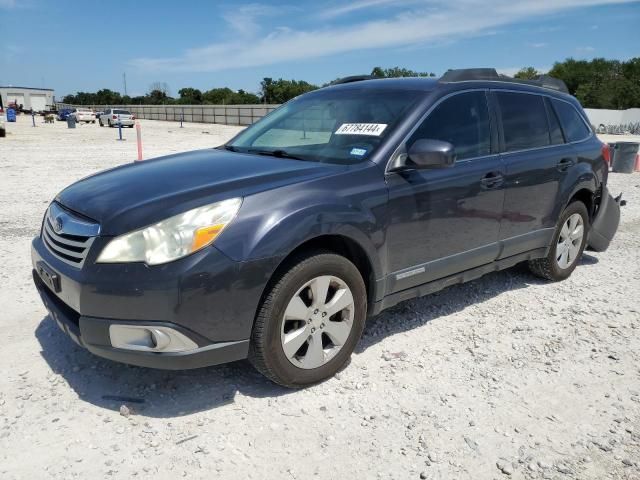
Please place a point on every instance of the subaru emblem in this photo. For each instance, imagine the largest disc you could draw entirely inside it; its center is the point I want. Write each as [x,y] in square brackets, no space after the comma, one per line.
[57,224]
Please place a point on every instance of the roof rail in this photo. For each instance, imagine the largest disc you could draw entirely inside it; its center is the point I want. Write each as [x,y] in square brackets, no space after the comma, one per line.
[550,82]
[351,79]
[466,74]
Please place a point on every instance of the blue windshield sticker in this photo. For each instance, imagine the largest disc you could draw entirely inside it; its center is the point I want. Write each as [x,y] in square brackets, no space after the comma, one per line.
[358,152]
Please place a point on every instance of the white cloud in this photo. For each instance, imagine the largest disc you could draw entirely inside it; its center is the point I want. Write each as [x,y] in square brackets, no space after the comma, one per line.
[537,45]
[336,10]
[244,20]
[443,20]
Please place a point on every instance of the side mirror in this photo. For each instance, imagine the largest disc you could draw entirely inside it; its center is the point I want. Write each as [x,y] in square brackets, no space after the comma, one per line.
[427,153]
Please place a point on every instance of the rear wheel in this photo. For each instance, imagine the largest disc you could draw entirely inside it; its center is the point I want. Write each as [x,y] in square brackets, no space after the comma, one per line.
[310,321]
[3,133]
[567,246]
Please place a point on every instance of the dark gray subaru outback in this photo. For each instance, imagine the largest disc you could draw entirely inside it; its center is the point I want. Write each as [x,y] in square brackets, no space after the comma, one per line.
[339,204]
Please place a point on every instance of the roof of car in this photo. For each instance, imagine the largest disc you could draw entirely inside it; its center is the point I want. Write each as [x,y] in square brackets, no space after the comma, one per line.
[454,80]
[402,83]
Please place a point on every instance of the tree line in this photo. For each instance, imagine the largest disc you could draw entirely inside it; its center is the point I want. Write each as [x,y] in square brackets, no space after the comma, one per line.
[597,83]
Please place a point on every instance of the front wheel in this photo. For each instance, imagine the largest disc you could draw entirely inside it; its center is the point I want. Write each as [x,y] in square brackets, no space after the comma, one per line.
[310,321]
[567,246]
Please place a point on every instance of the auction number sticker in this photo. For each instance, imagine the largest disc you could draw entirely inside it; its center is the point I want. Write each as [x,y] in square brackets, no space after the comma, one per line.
[372,129]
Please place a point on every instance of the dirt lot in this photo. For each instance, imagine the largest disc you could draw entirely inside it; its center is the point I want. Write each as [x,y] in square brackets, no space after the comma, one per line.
[507,376]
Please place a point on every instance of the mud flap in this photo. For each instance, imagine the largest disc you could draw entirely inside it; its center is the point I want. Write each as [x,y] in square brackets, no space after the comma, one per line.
[605,224]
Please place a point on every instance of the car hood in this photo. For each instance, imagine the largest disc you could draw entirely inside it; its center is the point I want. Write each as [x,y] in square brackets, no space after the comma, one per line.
[140,194]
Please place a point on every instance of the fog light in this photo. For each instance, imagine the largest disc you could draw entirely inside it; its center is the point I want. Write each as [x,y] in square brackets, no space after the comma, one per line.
[149,339]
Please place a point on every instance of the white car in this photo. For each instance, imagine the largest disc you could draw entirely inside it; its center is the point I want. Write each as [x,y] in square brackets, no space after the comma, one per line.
[114,116]
[84,115]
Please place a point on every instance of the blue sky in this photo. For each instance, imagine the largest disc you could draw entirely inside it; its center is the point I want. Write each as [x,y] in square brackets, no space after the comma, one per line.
[87,45]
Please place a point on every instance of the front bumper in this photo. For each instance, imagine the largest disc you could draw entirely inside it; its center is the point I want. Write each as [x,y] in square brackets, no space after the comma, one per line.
[207,297]
[93,334]
[605,224]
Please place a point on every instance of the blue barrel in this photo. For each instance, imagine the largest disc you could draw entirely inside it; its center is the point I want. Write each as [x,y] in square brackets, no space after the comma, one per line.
[11,115]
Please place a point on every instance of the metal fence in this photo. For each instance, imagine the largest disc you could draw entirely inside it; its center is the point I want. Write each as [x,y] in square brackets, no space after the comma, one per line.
[222,114]
[621,129]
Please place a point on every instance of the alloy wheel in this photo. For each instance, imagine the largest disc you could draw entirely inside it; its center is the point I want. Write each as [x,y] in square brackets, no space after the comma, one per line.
[570,241]
[317,322]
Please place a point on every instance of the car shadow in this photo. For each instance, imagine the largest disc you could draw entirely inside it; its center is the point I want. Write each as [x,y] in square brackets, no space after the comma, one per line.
[587,259]
[149,392]
[414,313]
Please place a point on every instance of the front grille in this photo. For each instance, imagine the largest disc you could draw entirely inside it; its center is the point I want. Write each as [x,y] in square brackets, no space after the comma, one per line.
[70,244]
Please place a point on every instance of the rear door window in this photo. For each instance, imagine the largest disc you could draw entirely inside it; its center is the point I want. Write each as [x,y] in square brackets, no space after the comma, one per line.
[524,121]
[574,127]
[463,121]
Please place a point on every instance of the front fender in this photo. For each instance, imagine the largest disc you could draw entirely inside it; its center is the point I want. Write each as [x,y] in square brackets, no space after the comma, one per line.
[272,224]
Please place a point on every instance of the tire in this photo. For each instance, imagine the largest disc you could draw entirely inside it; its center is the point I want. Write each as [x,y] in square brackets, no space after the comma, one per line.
[551,267]
[100,123]
[3,133]
[93,121]
[109,123]
[270,330]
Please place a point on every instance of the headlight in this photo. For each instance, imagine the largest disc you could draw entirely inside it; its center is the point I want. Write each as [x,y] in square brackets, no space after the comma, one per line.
[174,237]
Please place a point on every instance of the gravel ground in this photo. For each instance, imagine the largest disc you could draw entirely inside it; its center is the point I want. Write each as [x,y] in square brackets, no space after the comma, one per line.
[506,376]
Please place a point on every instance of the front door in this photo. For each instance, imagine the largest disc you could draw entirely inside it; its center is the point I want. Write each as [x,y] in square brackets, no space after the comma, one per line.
[446,220]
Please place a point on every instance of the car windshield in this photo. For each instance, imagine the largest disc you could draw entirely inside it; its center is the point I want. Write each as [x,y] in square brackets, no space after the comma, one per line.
[121,112]
[343,126]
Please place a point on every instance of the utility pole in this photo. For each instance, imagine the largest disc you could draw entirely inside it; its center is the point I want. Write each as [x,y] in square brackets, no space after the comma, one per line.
[124,80]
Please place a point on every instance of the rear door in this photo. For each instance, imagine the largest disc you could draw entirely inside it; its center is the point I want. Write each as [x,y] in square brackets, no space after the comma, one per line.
[446,220]
[535,159]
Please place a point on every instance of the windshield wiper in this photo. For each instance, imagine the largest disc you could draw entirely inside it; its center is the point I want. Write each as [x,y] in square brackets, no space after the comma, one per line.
[231,148]
[275,153]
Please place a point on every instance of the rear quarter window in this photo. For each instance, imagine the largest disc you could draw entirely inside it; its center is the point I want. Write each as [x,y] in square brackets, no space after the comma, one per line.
[524,121]
[554,125]
[572,123]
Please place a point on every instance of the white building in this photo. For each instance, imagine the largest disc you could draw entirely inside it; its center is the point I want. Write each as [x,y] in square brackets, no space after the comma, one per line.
[37,99]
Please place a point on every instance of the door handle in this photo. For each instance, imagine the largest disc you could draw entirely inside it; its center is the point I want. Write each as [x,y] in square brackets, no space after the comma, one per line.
[564,164]
[492,180]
